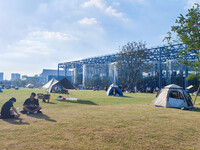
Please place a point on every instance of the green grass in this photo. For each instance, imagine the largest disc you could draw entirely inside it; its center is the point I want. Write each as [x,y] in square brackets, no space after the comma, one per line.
[98,121]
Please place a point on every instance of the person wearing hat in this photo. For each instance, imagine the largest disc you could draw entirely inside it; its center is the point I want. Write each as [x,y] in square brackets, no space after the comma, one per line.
[6,112]
[31,105]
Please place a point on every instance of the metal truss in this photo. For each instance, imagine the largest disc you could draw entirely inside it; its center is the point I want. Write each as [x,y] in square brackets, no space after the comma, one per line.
[162,54]
[158,54]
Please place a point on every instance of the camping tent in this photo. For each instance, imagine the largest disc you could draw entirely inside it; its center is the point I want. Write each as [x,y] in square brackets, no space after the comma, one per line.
[48,86]
[114,90]
[1,90]
[29,86]
[54,86]
[173,96]
[66,84]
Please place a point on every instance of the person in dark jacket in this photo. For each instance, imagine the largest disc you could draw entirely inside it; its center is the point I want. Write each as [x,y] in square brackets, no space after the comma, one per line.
[6,112]
[31,105]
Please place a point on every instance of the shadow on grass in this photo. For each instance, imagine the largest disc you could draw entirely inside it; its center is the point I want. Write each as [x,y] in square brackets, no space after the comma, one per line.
[128,96]
[42,116]
[49,103]
[86,102]
[196,109]
[16,121]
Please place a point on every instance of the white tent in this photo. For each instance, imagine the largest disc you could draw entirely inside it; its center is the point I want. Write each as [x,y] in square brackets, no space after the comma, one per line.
[173,96]
[49,84]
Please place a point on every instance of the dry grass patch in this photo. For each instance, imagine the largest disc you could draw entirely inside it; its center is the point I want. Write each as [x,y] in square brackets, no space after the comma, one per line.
[98,121]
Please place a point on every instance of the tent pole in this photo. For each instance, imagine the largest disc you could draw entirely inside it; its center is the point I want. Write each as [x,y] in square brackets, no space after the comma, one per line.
[196,94]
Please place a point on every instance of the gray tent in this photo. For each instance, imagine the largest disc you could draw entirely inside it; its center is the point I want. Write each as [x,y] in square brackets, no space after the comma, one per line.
[48,86]
[173,96]
[54,86]
[66,84]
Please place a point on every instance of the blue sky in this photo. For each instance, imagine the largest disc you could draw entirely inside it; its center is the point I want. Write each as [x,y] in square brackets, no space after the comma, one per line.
[37,34]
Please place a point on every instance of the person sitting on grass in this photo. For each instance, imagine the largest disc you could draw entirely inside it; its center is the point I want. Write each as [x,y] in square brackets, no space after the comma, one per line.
[31,105]
[6,112]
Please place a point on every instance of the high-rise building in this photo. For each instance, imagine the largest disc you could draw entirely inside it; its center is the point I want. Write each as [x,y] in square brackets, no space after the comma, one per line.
[1,76]
[15,76]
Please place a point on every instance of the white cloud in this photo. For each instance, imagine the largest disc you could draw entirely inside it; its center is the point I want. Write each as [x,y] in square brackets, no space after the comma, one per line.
[190,3]
[28,47]
[7,55]
[46,35]
[103,6]
[97,3]
[37,43]
[111,11]
[88,21]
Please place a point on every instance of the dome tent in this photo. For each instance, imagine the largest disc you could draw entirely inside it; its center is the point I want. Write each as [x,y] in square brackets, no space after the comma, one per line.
[48,86]
[173,96]
[62,84]
[114,90]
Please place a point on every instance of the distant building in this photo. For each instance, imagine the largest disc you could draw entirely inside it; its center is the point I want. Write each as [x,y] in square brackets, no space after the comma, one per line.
[31,78]
[1,76]
[48,74]
[15,76]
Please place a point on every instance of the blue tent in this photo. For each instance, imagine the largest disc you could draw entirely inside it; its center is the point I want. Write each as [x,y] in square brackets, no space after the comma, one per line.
[1,90]
[114,90]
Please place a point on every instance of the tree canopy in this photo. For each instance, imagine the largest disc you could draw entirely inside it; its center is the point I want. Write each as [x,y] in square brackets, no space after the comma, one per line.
[130,63]
[187,31]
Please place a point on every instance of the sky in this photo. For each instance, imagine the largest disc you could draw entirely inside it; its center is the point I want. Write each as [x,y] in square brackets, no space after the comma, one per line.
[39,34]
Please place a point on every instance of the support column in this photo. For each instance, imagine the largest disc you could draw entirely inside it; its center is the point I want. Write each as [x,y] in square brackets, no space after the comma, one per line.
[115,73]
[84,74]
[75,75]
[58,72]
[65,72]
[160,70]
[186,72]
[169,78]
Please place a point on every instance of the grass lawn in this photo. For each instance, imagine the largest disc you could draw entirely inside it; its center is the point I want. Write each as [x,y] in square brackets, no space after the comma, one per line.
[98,121]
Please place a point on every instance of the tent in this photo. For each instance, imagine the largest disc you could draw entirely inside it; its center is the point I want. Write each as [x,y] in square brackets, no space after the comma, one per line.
[1,90]
[48,86]
[55,86]
[66,84]
[173,96]
[29,86]
[114,90]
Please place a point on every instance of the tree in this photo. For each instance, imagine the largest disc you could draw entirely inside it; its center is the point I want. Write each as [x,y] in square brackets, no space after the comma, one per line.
[131,63]
[187,31]
[96,80]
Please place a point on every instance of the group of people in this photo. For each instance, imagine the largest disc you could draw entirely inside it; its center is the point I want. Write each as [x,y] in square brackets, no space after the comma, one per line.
[30,106]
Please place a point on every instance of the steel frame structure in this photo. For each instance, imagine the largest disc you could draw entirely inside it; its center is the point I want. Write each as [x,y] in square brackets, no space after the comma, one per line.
[155,54]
